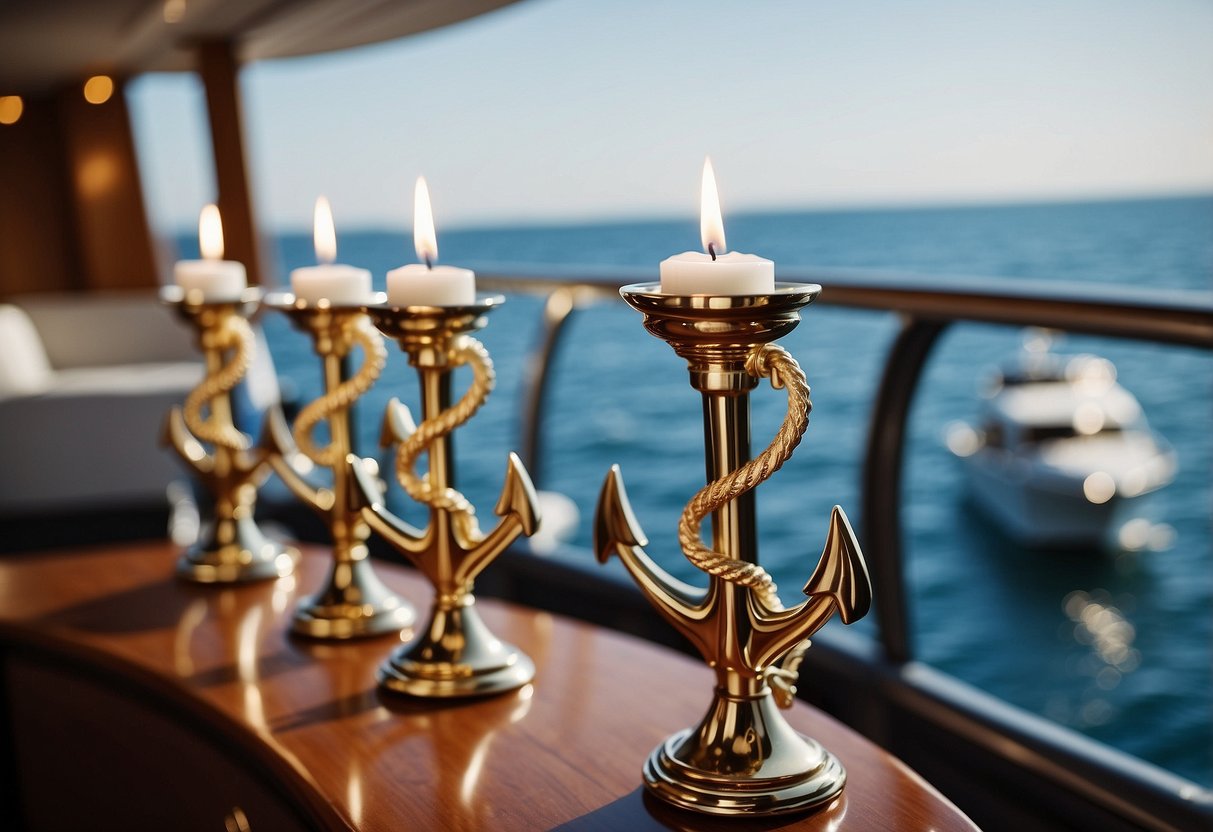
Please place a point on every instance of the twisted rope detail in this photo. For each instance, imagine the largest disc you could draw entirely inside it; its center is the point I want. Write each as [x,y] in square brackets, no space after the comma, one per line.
[472,353]
[341,397]
[234,334]
[775,363]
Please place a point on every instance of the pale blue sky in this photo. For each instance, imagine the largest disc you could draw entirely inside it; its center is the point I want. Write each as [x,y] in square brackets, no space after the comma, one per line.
[583,109]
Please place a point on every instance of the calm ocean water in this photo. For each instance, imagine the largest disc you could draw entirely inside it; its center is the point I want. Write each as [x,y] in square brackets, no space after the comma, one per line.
[1006,620]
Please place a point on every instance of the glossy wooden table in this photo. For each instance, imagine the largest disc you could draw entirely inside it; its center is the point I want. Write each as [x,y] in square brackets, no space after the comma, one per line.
[96,640]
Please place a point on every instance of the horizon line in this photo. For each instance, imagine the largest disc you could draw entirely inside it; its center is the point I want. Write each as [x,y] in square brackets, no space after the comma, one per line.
[387,226]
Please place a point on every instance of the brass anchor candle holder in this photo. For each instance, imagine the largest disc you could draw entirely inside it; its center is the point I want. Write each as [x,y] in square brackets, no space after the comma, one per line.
[456,654]
[743,757]
[353,602]
[232,549]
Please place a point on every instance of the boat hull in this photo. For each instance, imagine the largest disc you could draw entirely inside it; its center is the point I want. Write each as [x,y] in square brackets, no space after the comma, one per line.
[1041,515]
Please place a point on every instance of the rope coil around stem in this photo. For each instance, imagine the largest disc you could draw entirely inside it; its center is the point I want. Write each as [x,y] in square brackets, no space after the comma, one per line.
[234,334]
[767,361]
[345,394]
[474,354]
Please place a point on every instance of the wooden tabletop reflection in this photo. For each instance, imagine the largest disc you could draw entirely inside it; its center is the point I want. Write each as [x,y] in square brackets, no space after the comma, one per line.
[563,753]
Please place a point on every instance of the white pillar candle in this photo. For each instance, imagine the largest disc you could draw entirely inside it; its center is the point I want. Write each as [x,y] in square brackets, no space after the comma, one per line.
[214,277]
[333,282]
[716,272]
[424,284]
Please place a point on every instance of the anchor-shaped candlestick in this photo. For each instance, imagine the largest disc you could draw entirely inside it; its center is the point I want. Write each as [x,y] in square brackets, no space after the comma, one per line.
[455,654]
[353,602]
[232,549]
[743,757]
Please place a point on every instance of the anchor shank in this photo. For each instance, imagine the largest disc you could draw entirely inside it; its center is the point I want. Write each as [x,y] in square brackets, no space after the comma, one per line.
[726,419]
[726,422]
[349,367]
[343,517]
[221,406]
[221,414]
[436,398]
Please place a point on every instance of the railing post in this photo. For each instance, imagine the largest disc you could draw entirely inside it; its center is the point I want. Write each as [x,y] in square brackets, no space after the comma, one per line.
[881,526]
[560,305]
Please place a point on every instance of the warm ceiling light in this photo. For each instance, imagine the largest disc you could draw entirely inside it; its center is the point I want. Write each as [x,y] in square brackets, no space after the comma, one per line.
[98,89]
[11,107]
[174,11]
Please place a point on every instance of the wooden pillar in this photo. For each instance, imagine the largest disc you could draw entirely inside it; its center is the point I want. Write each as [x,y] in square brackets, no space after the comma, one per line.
[220,75]
[115,245]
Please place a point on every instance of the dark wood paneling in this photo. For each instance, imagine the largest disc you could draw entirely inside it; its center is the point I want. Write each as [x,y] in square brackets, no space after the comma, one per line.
[220,75]
[38,248]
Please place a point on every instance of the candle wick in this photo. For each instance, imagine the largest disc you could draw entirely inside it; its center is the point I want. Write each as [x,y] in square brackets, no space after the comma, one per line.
[429,263]
[712,250]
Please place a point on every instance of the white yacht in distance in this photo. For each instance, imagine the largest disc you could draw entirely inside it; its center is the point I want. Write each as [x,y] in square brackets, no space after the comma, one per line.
[1062,451]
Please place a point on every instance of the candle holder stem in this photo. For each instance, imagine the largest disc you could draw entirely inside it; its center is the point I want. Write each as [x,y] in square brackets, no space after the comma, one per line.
[231,548]
[743,757]
[353,602]
[455,655]
[726,420]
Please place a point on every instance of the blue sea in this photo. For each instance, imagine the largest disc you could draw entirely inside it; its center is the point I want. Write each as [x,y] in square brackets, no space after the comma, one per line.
[1118,646]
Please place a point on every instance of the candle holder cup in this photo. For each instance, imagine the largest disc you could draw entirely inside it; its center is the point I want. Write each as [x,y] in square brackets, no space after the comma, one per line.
[456,655]
[231,548]
[743,757]
[353,602]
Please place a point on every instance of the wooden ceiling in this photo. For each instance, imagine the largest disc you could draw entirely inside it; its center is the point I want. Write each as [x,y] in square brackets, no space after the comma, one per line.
[46,44]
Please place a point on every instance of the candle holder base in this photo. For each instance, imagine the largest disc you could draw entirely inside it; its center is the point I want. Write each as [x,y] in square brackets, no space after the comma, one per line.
[354,604]
[231,549]
[236,551]
[743,759]
[456,657]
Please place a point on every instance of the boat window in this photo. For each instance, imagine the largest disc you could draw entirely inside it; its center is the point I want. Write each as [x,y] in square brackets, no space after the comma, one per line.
[1043,433]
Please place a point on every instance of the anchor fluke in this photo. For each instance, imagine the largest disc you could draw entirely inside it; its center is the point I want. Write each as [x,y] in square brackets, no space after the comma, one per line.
[841,572]
[277,445]
[518,497]
[276,434]
[178,437]
[615,523]
[368,489]
[398,424]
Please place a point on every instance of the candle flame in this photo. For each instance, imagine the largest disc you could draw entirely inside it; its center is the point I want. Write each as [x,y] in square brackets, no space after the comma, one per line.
[210,233]
[424,239]
[711,226]
[324,236]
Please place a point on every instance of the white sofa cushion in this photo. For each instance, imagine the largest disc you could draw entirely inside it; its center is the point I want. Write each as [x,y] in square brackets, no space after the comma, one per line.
[103,329]
[24,367]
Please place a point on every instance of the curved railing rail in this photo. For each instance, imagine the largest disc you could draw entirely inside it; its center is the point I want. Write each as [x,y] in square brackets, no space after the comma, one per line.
[1114,787]
[928,306]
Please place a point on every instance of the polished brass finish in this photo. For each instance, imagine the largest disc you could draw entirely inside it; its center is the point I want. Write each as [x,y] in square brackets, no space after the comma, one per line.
[231,549]
[743,757]
[455,655]
[353,602]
